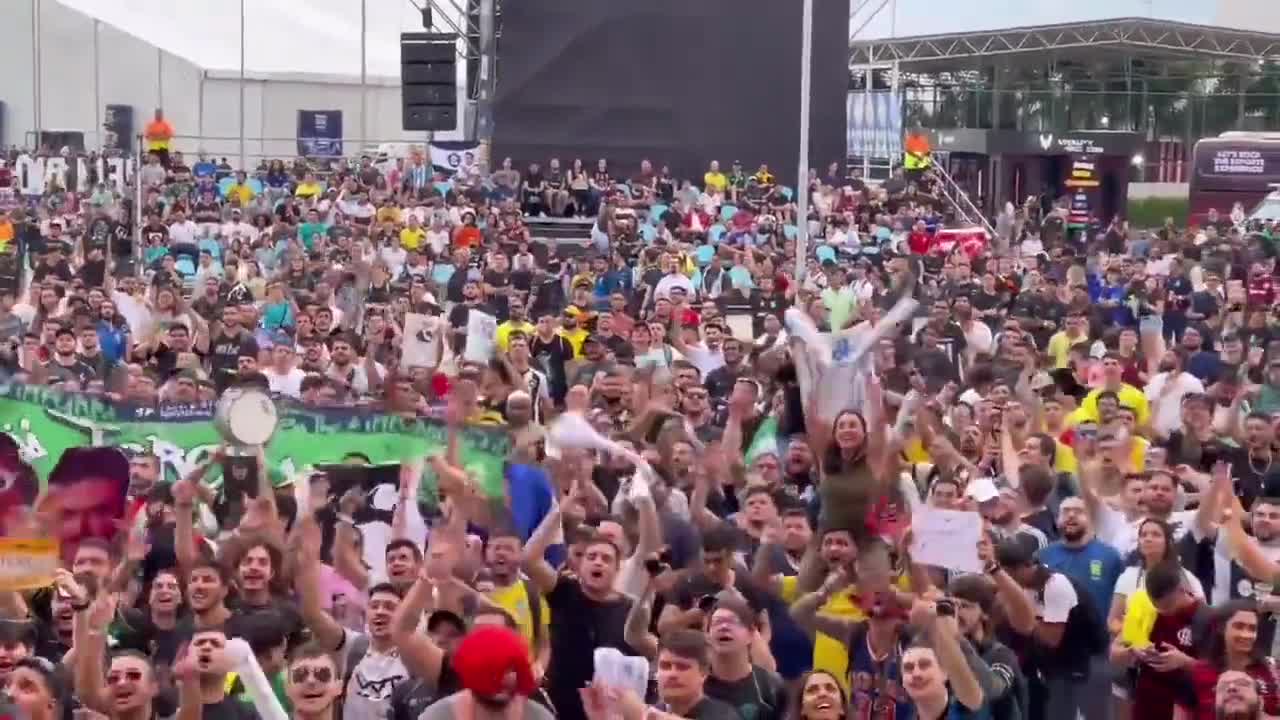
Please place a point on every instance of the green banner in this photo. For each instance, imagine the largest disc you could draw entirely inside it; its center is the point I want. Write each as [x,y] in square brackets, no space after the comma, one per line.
[45,422]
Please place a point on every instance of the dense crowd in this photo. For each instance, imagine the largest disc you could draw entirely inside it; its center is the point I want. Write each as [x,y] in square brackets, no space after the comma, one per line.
[1102,401]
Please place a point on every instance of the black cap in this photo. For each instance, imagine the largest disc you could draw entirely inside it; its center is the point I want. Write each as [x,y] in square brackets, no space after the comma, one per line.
[1016,552]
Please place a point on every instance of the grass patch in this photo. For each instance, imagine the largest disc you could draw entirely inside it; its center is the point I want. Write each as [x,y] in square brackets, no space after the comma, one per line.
[1151,212]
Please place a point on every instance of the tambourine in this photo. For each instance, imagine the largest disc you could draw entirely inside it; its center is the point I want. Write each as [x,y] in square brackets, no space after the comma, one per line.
[245,416]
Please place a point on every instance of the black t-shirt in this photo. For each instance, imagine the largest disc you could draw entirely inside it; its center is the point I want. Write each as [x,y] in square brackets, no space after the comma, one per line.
[93,273]
[413,695]
[711,709]
[165,361]
[761,695]
[228,708]
[225,351]
[582,625]
[287,613]
[77,370]
[134,630]
[687,593]
[501,303]
[60,270]
[550,357]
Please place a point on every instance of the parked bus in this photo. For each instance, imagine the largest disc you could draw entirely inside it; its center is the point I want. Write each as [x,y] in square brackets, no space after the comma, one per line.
[1236,167]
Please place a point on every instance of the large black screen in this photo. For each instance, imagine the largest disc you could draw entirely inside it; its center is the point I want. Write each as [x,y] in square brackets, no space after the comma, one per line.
[679,82]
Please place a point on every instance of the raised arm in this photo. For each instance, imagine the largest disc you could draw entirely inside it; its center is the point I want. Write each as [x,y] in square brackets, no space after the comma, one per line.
[90,642]
[421,656]
[535,563]
[805,610]
[636,631]
[944,633]
[1245,548]
[306,548]
[185,493]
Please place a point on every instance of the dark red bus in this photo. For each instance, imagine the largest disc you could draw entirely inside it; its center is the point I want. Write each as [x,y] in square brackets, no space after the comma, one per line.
[1237,167]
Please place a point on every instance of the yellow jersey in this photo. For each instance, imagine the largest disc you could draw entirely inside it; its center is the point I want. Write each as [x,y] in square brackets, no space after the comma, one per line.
[576,339]
[1128,395]
[503,335]
[412,238]
[715,181]
[514,598]
[829,653]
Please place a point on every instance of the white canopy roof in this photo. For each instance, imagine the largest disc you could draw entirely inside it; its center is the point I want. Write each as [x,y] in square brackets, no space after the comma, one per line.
[320,37]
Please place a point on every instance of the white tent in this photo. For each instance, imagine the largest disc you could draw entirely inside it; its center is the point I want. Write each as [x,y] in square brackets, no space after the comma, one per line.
[67,60]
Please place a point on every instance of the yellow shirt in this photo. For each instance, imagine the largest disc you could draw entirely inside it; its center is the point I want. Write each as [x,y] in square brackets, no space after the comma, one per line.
[829,653]
[503,335]
[515,600]
[306,189]
[715,181]
[1129,396]
[1064,461]
[576,339]
[1060,348]
[412,238]
[244,192]
[388,214]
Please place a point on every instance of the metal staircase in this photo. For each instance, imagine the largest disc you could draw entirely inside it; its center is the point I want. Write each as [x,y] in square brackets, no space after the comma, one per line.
[964,208]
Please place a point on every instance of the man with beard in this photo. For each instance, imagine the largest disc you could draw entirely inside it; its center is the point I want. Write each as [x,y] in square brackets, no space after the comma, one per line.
[497,680]
[1158,495]
[144,473]
[1081,555]
[65,364]
[358,377]
[373,660]
[256,570]
[515,594]
[1236,697]
[1239,557]
[229,341]
[313,684]
[1095,566]
[586,610]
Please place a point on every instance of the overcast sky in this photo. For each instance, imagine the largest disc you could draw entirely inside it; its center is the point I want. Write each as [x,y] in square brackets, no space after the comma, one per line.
[929,17]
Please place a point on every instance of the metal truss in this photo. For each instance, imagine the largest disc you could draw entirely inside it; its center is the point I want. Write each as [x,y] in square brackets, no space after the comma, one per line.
[1133,35]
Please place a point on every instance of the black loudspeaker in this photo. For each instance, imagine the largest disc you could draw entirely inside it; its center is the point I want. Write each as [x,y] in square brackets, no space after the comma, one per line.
[117,124]
[428,81]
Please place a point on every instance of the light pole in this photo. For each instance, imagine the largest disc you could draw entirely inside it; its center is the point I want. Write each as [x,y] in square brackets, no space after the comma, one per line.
[35,70]
[242,155]
[364,68]
[802,175]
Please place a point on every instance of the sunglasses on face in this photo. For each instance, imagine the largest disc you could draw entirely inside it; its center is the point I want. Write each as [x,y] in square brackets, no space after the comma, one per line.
[127,675]
[301,673]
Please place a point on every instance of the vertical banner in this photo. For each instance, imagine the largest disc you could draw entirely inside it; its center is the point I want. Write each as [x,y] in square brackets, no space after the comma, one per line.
[320,133]
[875,124]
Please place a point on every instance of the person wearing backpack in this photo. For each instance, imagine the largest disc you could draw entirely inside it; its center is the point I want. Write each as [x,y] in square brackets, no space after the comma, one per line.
[1061,636]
